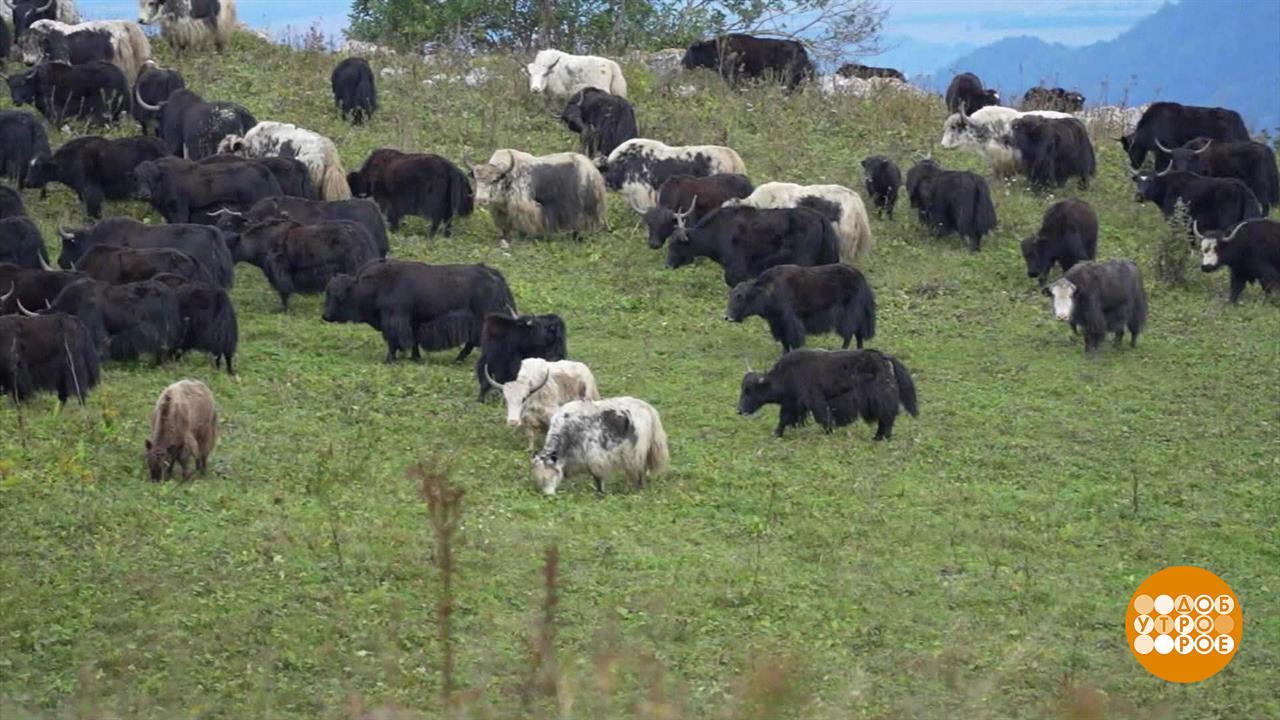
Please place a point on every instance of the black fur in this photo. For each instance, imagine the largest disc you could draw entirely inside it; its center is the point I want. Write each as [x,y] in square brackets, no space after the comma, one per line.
[746,241]
[966,93]
[507,341]
[866,72]
[1109,298]
[949,201]
[637,165]
[1174,125]
[740,57]
[22,139]
[1068,235]
[1058,99]
[50,353]
[354,90]
[177,187]
[21,244]
[153,86]
[33,288]
[309,212]
[797,301]
[836,387]
[680,192]
[11,204]
[1253,255]
[208,319]
[414,184]
[96,92]
[1053,150]
[297,258]
[1253,163]
[558,189]
[126,320]
[883,181]
[77,47]
[193,128]
[1213,203]
[96,168]
[118,265]
[206,245]
[416,305]
[292,174]
[602,121]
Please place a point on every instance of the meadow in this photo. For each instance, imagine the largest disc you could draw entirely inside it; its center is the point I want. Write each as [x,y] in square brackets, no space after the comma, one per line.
[976,566]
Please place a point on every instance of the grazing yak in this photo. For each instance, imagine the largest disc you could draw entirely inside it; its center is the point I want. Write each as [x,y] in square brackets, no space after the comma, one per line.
[883,179]
[11,204]
[965,94]
[34,288]
[637,168]
[96,168]
[127,320]
[21,243]
[1101,297]
[1213,203]
[989,132]
[684,199]
[538,390]
[950,201]
[601,121]
[53,352]
[191,24]
[798,301]
[1253,163]
[206,245]
[531,195]
[414,184]
[96,92]
[1173,125]
[22,139]
[354,91]
[837,203]
[1053,150]
[737,57]
[508,340]
[1068,235]
[415,305]
[308,212]
[119,42]
[1059,99]
[297,258]
[177,187]
[152,88]
[866,72]
[747,240]
[192,128]
[184,427]
[119,265]
[560,74]
[293,176]
[317,152]
[1251,251]
[602,438]
[208,318]
[835,386]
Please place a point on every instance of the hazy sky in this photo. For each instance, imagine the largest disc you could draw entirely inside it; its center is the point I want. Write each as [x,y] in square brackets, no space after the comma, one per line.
[1073,22]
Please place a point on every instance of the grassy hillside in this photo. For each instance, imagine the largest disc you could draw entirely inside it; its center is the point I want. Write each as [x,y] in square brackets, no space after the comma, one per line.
[976,566]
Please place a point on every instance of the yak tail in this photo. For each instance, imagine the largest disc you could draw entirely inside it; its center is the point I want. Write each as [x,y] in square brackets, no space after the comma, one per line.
[865,301]
[906,387]
[658,458]
[984,211]
[333,183]
[227,334]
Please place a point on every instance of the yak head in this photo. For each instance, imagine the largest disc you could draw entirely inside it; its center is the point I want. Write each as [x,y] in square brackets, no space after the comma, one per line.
[1035,257]
[960,130]
[157,457]
[758,390]
[540,69]
[747,298]
[43,170]
[1063,292]
[359,184]
[339,303]
[1189,157]
[150,11]
[1149,187]
[74,246]
[663,222]
[547,468]
[1211,246]
[493,179]
[150,178]
[534,374]
[22,87]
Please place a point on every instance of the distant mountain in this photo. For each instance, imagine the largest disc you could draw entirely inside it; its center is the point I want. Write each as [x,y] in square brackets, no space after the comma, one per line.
[917,57]
[1199,52]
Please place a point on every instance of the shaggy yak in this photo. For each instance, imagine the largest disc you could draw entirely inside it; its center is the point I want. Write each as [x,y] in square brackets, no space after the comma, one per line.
[796,301]
[1101,298]
[184,426]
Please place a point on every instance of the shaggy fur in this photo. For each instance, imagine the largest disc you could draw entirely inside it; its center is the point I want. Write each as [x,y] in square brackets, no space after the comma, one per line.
[191,24]
[842,207]
[53,352]
[184,427]
[1252,252]
[746,241]
[948,201]
[693,198]
[638,167]
[539,389]
[797,301]
[129,45]
[1068,235]
[965,93]
[883,180]
[601,438]
[506,341]
[317,152]
[1098,298]
[531,195]
[1054,150]
[989,132]
[560,74]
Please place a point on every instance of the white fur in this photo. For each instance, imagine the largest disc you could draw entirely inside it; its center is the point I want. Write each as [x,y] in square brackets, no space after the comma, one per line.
[504,185]
[1064,293]
[181,31]
[312,149]
[574,444]
[1209,247]
[989,132]
[853,227]
[640,193]
[560,74]
[562,381]
[128,43]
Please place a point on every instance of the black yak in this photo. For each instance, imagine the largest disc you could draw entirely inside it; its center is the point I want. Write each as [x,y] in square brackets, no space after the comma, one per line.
[21,244]
[836,386]
[1213,203]
[1068,235]
[737,57]
[746,241]
[602,121]
[684,199]
[1251,251]
[797,301]
[1100,298]
[208,319]
[354,91]
[507,340]
[53,352]
[1173,125]
[883,181]
[126,320]
[1253,163]
[949,201]
[1053,150]
[966,94]
[414,184]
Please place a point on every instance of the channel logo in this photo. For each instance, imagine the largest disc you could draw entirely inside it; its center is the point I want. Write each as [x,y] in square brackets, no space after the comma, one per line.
[1184,624]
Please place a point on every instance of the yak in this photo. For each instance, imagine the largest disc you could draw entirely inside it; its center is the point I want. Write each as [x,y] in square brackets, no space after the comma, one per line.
[949,201]
[206,245]
[354,91]
[538,390]
[308,212]
[208,319]
[1213,203]
[507,340]
[540,195]
[119,265]
[602,121]
[1053,150]
[797,301]
[1068,235]
[184,427]
[414,184]
[127,320]
[737,57]
[601,438]
[1101,297]
[685,199]
[966,94]
[21,243]
[52,352]
[1253,163]
[746,241]
[1173,125]
[1251,251]
[96,168]
[883,179]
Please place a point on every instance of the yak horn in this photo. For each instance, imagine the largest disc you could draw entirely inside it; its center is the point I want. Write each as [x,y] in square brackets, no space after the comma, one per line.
[545,377]
[466,160]
[512,310]
[489,377]
[682,215]
[1166,171]
[6,296]
[44,265]
[1206,147]
[1230,237]
[137,95]
[225,211]
[46,6]
[748,364]
[1162,147]
[1195,228]
[23,310]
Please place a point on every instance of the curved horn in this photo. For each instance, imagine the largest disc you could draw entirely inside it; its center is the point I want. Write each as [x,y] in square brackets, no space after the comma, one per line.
[46,7]
[23,310]
[1230,237]
[512,310]
[489,377]
[1206,147]
[1168,169]
[225,211]
[137,96]
[680,216]
[1163,149]
[12,287]
[512,166]
[747,362]
[1195,228]
[66,236]
[545,377]
[1134,173]
[44,264]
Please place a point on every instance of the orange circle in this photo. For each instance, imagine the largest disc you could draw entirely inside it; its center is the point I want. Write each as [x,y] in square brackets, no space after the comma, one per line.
[1179,665]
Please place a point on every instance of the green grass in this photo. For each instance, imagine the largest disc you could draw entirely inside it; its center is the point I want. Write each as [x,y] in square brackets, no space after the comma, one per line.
[977,566]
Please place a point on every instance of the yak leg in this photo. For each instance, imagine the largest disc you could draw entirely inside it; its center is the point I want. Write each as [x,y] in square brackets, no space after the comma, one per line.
[599,483]
[1237,288]
[466,350]
[884,430]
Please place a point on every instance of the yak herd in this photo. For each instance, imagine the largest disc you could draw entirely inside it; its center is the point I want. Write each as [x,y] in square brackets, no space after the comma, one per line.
[234,189]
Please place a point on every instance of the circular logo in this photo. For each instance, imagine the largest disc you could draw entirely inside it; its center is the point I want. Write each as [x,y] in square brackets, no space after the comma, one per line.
[1183,624]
